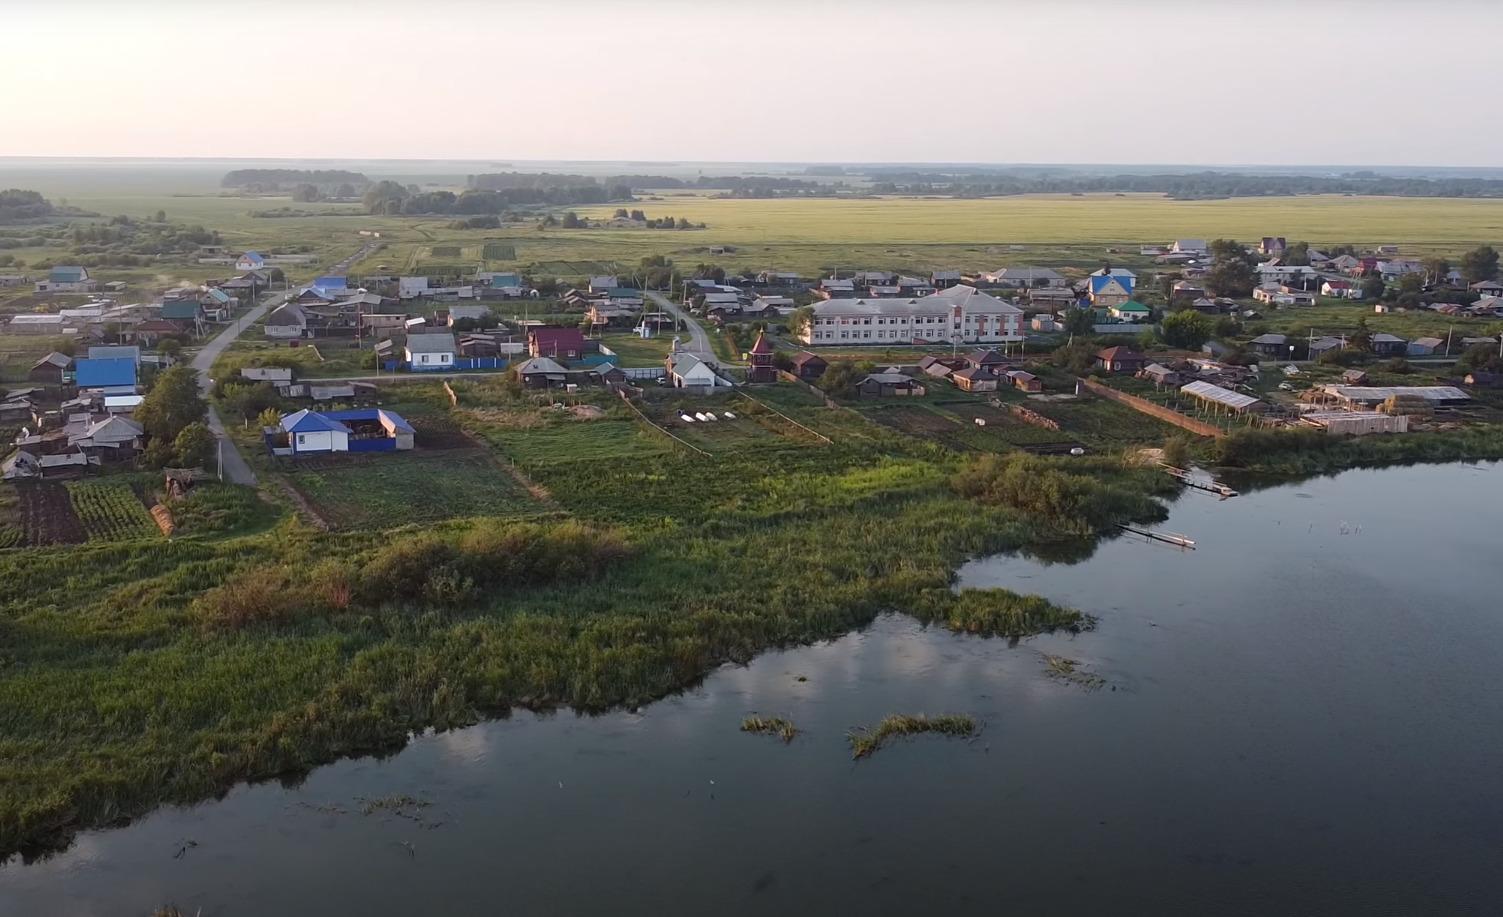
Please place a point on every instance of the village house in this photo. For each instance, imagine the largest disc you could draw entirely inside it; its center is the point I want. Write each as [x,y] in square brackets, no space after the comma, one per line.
[1487,288]
[889,383]
[1130,311]
[835,288]
[1270,345]
[809,366]
[687,371]
[67,279]
[558,343]
[1025,381]
[1388,345]
[287,321]
[1163,376]
[974,379]
[1025,278]
[936,367]
[1426,346]
[1195,247]
[430,351]
[542,372]
[1120,360]
[1276,273]
[944,279]
[13,280]
[52,369]
[35,323]
[987,358]
[959,314]
[359,430]
[107,377]
[1341,289]
[1110,287]
[1272,246]
[273,374]
[1187,290]
[1323,345]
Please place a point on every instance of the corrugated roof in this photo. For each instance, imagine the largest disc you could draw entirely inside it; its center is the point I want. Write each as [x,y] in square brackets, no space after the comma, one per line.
[1224,396]
[306,421]
[437,342]
[105,373]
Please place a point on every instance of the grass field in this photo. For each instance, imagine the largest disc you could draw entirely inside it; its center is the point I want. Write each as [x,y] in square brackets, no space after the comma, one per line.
[385,490]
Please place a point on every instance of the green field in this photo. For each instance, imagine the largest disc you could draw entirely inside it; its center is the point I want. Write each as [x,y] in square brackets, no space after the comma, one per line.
[391,489]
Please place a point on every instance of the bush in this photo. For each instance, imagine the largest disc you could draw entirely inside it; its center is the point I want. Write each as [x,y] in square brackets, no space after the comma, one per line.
[1070,503]
[262,595]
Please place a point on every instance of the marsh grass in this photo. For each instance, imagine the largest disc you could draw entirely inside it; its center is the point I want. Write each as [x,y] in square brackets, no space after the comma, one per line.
[866,740]
[1069,670]
[770,726]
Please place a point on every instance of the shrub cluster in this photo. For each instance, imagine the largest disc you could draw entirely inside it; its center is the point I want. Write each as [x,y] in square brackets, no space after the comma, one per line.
[424,570]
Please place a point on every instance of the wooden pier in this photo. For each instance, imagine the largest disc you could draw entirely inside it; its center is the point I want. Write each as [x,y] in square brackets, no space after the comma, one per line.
[1212,486]
[1179,541]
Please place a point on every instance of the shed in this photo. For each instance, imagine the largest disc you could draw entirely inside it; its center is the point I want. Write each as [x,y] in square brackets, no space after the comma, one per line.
[50,368]
[1235,402]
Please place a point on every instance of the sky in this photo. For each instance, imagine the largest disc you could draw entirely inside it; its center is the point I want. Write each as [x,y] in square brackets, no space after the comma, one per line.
[1216,82]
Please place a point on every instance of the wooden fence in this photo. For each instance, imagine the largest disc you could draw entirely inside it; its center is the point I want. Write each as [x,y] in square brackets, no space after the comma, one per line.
[1144,406]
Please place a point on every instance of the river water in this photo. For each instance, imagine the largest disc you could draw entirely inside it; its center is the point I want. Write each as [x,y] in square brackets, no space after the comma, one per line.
[1302,716]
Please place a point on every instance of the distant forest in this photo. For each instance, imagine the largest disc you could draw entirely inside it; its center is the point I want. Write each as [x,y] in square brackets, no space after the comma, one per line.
[284,179]
[1196,186]
[16,205]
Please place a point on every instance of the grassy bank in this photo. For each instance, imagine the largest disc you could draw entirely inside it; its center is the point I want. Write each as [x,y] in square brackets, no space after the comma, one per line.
[138,672]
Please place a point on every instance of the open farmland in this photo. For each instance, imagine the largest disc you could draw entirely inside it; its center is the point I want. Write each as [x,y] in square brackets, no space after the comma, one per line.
[393,489]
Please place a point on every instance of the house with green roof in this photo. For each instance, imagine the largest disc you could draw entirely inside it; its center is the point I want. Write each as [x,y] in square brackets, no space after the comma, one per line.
[67,279]
[1130,311]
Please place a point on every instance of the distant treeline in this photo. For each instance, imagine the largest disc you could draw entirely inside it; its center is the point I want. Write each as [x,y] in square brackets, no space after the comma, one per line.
[508,189]
[551,188]
[391,198]
[281,179]
[1196,186]
[16,205]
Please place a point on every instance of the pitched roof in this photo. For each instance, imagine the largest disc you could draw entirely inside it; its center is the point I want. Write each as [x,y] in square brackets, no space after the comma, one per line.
[60,360]
[1117,354]
[289,314]
[544,365]
[434,342]
[67,274]
[555,339]
[105,373]
[1132,305]
[181,309]
[308,421]
[761,346]
[804,357]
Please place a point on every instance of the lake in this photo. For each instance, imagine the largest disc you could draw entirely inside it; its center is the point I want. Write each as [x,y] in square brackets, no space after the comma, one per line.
[1301,716]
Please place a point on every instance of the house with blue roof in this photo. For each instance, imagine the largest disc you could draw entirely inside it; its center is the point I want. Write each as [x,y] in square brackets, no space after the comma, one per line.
[1111,287]
[360,430]
[67,279]
[332,285]
[109,376]
[250,261]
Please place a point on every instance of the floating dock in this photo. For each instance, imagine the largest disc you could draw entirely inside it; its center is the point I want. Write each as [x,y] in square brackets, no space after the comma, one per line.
[1174,538]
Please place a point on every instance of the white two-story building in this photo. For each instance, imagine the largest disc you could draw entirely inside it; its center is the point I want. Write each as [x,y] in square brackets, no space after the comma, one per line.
[961,314]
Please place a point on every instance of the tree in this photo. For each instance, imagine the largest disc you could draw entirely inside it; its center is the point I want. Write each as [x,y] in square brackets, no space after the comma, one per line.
[1373,287]
[1298,253]
[1436,270]
[248,401]
[345,190]
[800,320]
[194,447]
[1231,250]
[1362,338]
[170,348]
[620,214]
[571,220]
[173,403]
[841,377]
[384,197]
[1186,330]
[305,193]
[1411,283]
[1481,263]
[270,417]
[1231,277]
[1080,321]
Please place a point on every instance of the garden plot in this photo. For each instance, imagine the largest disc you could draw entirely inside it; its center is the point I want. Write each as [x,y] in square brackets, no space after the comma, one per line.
[391,489]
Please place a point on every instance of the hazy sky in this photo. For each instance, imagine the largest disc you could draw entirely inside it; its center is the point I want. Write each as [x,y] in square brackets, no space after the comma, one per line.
[1319,81]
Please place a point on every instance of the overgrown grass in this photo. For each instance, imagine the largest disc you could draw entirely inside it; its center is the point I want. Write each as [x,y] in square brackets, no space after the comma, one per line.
[770,726]
[866,740]
[999,613]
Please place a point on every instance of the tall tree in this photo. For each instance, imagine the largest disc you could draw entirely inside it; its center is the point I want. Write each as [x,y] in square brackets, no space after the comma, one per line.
[1481,263]
[173,403]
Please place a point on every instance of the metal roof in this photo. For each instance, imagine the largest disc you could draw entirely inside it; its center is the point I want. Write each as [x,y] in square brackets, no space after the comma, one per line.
[437,342]
[1224,396]
[105,373]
